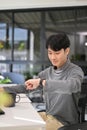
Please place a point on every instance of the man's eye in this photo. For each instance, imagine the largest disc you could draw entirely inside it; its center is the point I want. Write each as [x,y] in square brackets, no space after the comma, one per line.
[57,53]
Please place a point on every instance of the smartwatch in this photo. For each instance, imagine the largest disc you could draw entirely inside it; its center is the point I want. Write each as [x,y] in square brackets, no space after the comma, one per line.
[41,81]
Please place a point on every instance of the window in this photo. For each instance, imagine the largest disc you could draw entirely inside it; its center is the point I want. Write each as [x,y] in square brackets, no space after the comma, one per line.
[23,35]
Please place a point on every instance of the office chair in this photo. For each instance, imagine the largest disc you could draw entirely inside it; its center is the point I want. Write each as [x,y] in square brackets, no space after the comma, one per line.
[79,126]
[83,101]
[82,125]
[16,78]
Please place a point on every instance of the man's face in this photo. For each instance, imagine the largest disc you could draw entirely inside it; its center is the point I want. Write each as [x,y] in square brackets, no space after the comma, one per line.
[58,58]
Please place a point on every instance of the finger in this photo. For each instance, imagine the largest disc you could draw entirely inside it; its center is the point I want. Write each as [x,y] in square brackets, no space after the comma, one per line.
[27,83]
[29,86]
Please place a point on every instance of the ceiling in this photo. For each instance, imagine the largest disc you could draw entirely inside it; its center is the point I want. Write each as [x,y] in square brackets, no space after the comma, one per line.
[69,20]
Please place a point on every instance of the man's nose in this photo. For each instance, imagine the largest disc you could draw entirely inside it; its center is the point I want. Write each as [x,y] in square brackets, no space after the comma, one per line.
[53,56]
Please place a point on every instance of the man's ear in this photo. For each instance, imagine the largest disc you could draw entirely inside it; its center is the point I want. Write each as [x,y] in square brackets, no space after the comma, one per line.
[67,50]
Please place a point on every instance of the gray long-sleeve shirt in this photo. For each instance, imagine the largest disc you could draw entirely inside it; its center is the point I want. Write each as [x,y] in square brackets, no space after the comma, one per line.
[61,92]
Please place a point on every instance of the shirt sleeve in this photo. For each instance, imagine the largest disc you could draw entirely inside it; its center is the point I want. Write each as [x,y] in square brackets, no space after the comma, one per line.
[17,89]
[69,85]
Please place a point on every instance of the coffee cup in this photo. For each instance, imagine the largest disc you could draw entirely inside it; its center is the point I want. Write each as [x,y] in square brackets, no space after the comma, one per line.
[13,98]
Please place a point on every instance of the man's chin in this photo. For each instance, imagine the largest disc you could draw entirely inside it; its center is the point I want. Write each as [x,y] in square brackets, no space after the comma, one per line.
[55,65]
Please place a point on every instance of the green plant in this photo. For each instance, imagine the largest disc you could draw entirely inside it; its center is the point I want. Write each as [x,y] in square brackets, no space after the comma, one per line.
[4,81]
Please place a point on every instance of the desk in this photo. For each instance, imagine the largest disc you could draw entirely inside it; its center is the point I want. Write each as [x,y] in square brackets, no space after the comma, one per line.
[7,85]
[21,117]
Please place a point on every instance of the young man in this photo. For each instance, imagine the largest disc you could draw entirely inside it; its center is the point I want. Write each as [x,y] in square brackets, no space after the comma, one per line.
[61,84]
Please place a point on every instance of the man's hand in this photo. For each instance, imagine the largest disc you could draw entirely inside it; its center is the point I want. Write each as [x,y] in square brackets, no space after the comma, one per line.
[32,83]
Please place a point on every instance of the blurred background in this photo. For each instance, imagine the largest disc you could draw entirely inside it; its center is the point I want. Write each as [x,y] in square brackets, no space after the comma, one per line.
[23,35]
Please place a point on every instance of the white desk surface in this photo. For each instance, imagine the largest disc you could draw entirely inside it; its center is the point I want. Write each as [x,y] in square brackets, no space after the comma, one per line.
[21,117]
[7,85]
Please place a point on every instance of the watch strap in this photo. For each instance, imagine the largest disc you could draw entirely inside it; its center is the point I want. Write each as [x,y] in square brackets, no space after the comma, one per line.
[41,81]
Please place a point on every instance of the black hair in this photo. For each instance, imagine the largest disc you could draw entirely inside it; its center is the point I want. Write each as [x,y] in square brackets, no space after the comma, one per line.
[58,41]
